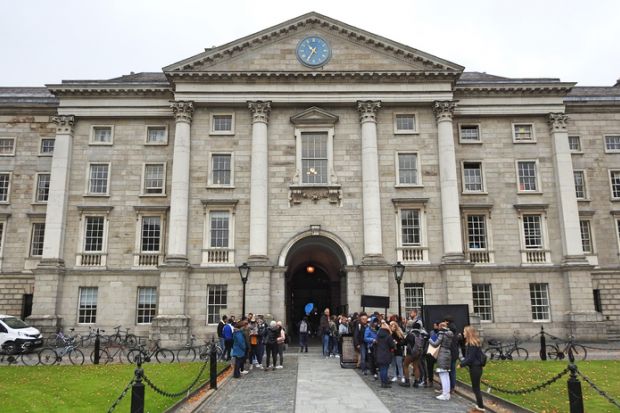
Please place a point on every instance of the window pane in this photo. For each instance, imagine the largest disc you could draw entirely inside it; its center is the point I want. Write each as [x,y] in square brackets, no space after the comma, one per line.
[615,184]
[93,239]
[539,298]
[102,134]
[580,184]
[532,232]
[217,299]
[472,176]
[476,232]
[574,143]
[151,233]
[4,187]
[414,296]
[586,236]
[156,134]
[43,187]
[407,168]
[410,226]
[87,312]
[483,301]
[154,178]
[98,179]
[314,158]
[147,305]
[221,169]
[222,123]
[612,143]
[470,133]
[219,229]
[405,122]
[527,176]
[523,132]
[36,243]
[47,146]
[7,146]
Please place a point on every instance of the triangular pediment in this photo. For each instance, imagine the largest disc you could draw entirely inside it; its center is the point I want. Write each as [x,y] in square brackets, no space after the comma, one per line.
[274,50]
[314,116]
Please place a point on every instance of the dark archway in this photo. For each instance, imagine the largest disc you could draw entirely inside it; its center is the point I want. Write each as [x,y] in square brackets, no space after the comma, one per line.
[315,274]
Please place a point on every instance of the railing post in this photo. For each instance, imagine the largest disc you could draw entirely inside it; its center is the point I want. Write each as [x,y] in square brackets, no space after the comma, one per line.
[543,344]
[97,348]
[575,397]
[137,389]
[213,365]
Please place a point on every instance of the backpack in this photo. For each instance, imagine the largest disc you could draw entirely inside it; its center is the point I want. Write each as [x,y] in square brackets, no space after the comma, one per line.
[303,327]
[415,344]
[483,358]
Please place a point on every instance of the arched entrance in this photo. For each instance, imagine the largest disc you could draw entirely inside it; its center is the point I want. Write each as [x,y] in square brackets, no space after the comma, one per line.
[315,274]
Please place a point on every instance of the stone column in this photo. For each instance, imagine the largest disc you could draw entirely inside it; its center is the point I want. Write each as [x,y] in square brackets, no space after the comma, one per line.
[51,269]
[371,195]
[259,182]
[450,214]
[179,194]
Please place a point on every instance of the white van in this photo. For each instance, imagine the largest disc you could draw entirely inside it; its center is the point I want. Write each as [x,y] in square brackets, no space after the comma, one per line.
[16,335]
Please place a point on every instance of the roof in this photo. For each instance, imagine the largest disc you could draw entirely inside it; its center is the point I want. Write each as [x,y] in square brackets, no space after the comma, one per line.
[140,77]
[27,96]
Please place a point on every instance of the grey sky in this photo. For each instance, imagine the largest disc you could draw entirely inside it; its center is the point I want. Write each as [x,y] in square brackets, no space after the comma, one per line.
[47,41]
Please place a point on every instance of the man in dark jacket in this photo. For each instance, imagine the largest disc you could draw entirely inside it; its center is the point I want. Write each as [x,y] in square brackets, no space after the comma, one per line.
[325,332]
[220,336]
[383,347]
[227,333]
[358,340]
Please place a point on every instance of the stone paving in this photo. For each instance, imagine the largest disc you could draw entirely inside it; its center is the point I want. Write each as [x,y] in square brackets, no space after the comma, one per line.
[309,383]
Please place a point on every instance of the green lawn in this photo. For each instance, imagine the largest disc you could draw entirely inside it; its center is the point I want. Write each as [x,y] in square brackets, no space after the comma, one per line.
[89,388]
[553,399]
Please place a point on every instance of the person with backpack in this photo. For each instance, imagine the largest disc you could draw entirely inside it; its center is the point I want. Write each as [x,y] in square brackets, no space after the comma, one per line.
[333,337]
[455,347]
[303,335]
[475,360]
[370,335]
[444,358]
[414,345]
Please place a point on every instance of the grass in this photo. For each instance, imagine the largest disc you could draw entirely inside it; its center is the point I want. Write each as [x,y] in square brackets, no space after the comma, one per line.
[516,375]
[90,388]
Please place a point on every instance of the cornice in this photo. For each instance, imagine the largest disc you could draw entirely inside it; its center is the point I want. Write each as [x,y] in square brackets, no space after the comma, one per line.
[513,88]
[370,76]
[111,89]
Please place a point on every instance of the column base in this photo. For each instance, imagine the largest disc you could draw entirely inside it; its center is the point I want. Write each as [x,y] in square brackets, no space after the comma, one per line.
[171,330]
[47,263]
[453,258]
[570,260]
[587,326]
[373,259]
[46,324]
[260,260]
[176,261]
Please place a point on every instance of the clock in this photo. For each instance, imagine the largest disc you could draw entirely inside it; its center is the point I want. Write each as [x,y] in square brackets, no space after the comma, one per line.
[313,51]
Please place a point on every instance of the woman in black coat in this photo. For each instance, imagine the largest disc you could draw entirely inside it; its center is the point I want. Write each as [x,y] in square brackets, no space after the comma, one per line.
[473,360]
[384,348]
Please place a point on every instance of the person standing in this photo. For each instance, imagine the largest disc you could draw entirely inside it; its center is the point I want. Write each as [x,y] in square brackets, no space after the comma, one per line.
[397,360]
[383,347]
[239,349]
[227,333]
[444,358]
[473,360]
[261,329]
[303,335]
[414,346]
[343,329]
[370,335]
[430,360]
[273,332]
[358,340]
[281,340]
[324,332]
[220,336]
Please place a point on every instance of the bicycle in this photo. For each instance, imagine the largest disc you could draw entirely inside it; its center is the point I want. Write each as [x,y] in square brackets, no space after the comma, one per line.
[499,351]
[162,355]
[53,355]
[108,353]
[205,350]
[557,351]
[13,354]
[188,352]
[128,339]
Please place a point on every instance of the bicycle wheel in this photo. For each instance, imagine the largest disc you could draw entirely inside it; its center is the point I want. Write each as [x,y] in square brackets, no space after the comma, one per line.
[48,356]
[579,352]
[104,356]
[553,351]
[186,354]
[76,356]
[30,359]
[163,355]
[492,353]
[131,340]
[519,354]
[132,354]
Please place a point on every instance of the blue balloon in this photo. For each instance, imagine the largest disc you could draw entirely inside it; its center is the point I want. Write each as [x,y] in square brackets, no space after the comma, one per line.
[309,308]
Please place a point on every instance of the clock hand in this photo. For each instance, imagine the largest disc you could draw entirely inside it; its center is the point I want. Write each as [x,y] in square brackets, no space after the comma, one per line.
[313,51]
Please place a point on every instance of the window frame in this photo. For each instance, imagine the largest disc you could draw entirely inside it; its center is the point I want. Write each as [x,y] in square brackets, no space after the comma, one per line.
[140,238]
[8,189]
[212,130]
[31,239]
[419,183]
[43,138]
[210,180]
[14,139]
[611,186]
[88,180]
[210,206]
[138,309]
[331,177]
[104,236]
[408,204]
[85,213]
[216,317]
[523,141]
[146,136]
[590,233]
[538,189]
[580,150]
[398,131]
[79,306]
[469,141]
[548,305]
[483,189]
[540,210]
[36,199]
[92,141]
[413,286]
[586,193]
[609,135]
[143,188]
[489,306]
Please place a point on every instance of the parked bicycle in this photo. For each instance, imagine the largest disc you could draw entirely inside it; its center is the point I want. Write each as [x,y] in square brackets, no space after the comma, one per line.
[205,351]
[498,351]
[560,350]
[162,355]
[188,351]
[109,352]
[53,355]
[125,338]
[12,354]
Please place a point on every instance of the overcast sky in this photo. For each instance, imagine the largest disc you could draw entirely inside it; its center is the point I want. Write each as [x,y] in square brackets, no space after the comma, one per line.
[45,41]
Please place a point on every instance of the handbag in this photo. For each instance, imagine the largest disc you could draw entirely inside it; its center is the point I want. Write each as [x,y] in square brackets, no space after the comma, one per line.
[433,351]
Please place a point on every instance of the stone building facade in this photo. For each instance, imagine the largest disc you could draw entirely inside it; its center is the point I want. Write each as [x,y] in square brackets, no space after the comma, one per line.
[321,155]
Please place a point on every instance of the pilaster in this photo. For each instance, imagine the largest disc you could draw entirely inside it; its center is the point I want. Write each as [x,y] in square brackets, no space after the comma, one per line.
[171,325]
[450,214]
[371,195]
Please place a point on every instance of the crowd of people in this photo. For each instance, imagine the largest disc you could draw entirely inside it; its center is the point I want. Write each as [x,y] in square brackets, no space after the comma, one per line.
[392,350]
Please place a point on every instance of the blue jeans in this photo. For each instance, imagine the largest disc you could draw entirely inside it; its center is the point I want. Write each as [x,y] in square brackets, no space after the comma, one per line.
[334,345]
[397,366]
[383,373]
[326,342]
[303,341]
[363,357]
[260,350]
[223,355]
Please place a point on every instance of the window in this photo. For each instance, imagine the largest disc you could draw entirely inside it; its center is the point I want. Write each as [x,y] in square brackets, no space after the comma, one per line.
[221,169]
[154,179]
[43,188]
[598,304]
[7,146]
[151,234]
[94,234]
[47,146]
[410,227]
[586,236]
[526,171]
[614,177]
[219,222]
[147,305]
[483,301]
[580,184]
[476,232]
[469,133]
[219,241]
[217,299]
[408,169]
[612,143]
[574,143]
[101,135]
[36,239]
[87,312]
[539,299]
[156,135]
[314,160]
[404,123]
[410,234]
[222,124]
[98,179]
[414,296]
[5,185]
[523,132]
[472,177]
[532,232]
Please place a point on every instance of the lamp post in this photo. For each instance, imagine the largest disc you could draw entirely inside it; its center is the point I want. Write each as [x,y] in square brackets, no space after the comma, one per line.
[399,270]
[244,271]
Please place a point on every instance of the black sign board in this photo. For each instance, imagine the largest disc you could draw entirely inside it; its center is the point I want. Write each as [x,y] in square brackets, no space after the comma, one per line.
[375,301]
[348,358]
[459,313]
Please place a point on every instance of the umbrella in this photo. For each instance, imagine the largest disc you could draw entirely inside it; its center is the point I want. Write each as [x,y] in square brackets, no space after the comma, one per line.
[308,308]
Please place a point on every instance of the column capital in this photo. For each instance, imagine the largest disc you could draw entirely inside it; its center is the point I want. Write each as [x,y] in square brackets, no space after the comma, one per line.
[260,110]
[64,123]
[444,109]
[557,122]
[368,110]
[183,110]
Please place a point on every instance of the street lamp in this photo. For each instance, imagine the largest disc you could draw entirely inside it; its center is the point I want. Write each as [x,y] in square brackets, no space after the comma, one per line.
[244,271]
[399,270]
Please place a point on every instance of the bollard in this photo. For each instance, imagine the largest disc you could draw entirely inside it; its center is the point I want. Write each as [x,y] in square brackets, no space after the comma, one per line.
[575,397]
[543,344]
[137,389]
[97,348]
[213,365]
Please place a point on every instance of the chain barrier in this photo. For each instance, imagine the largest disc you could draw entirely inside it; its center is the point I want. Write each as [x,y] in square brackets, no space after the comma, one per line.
[180,393]
[598,390]
[123,393]
[530,389]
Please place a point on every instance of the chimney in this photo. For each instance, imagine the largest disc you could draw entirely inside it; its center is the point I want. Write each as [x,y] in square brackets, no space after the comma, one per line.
[617,83]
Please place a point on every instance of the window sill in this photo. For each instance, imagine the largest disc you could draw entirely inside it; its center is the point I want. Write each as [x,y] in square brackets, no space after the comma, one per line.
[474,193]
[541,321]
[576,152]
[38,203]
[101,143]
[220,187]
[470,142]
[585,199]
[611,152]
[46,155]
[223,133]
[152,195]
[533,141]
[406,132]
[96,195]
[7,155]
[155,144]
[610,199]
[532,193]
[408,186]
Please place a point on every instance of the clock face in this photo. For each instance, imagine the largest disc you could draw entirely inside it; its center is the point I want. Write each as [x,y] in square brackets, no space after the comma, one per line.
[313,51]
